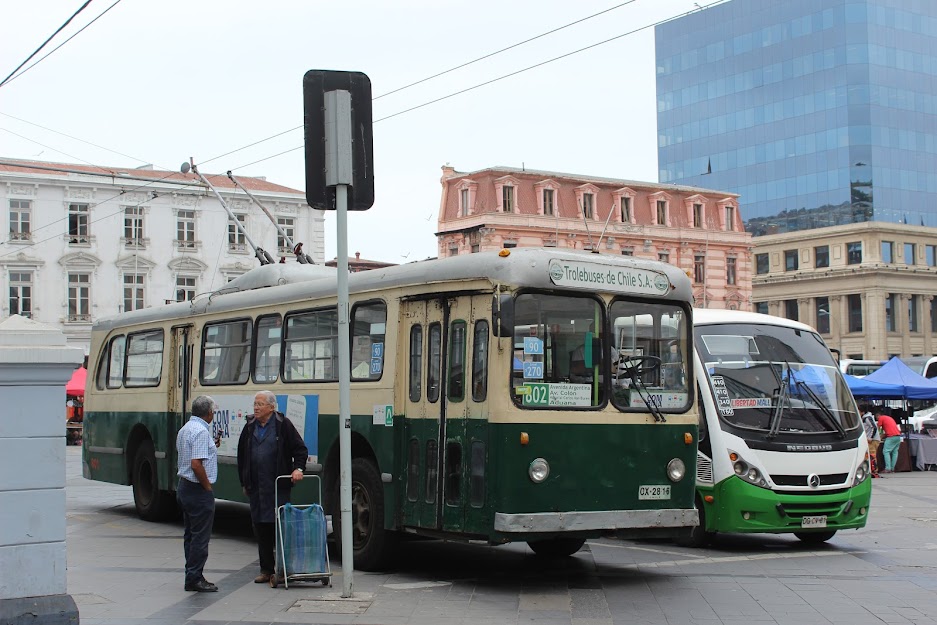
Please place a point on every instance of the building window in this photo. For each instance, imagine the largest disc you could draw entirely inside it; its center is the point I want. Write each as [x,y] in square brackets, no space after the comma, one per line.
[185,229]
[730,218]
[475,248]
[133,291]
[821,256]
[790,309]
[464,202]
[507,198]
[509,245]
[20,213]
[761,308]
[454,251]
[662,212]
[933,315]
[730,270]
[548,201]
[890,312]
[627,251]
[823,314]
[930,255]
[663,257]
[237,242]
[78,223]
[21,293]
[790,260]
[626,210]
[79,297]
[697,215]
[909,251]
[699,268]
[133,226]
[588,209]
[185,288]
[888,251]
[287,225]
[761,264]
[854,302]
[913,318]
[854,254]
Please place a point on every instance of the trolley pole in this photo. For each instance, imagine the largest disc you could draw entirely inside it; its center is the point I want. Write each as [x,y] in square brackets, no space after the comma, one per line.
[338,166]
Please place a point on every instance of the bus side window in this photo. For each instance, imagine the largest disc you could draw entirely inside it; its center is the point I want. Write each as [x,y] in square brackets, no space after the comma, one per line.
[102,379]
[311,346]
[369,323]
[267,349]
[226,349]
[480,361]
[456,386]
[416,363]
[115,363]
[144,359]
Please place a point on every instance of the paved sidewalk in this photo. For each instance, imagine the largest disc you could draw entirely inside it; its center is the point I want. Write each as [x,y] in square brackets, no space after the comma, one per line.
[128,572]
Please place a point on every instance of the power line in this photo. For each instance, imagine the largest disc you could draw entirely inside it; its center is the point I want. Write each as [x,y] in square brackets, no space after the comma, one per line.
[37,50]
[58,151]
[508,75]
[510,47]
[41,59]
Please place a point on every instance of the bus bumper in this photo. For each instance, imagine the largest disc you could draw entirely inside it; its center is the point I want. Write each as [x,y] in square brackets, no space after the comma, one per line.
[597,520]
[738,506]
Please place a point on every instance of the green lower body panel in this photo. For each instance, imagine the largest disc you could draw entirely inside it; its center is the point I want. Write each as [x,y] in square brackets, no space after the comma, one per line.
[738,506]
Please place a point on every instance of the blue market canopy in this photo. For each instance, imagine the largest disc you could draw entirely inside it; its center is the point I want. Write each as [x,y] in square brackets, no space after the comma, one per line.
[862,387]
[896,373]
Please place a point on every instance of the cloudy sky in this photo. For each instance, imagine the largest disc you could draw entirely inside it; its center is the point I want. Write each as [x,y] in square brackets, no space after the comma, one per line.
[159,82]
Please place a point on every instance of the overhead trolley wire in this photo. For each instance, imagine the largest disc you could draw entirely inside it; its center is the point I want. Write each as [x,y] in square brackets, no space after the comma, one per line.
[37,50]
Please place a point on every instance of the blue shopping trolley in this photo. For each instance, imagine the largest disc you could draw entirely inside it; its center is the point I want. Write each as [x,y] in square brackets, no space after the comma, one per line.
[301,542]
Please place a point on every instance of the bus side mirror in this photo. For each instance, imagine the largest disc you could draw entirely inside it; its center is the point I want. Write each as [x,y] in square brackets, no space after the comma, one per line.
[502,315]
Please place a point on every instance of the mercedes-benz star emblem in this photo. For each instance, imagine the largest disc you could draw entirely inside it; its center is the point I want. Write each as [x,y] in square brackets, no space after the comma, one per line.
[813,480]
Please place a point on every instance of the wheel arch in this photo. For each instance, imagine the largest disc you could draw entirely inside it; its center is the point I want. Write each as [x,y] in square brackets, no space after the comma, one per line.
[360,448]
[137,435]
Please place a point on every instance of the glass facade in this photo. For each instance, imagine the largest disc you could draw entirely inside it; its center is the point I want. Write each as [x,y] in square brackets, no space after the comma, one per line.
[817,112]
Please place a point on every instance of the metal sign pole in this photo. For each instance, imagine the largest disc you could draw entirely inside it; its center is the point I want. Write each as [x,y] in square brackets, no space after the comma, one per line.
[338,173]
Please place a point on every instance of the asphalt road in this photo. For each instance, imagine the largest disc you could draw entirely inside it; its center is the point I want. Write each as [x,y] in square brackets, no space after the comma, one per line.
[122,570]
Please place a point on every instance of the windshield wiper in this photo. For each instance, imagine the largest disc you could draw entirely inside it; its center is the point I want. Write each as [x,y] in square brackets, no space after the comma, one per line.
[634,372]
[824,409]
[774,425]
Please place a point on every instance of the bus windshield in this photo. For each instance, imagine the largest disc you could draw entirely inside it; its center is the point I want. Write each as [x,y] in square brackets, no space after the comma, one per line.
[774,379]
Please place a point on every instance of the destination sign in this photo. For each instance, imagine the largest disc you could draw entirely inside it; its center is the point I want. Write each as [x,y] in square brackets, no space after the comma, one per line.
[598,277]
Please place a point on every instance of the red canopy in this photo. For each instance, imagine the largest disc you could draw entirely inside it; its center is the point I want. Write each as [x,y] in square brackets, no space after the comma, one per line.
[76,386]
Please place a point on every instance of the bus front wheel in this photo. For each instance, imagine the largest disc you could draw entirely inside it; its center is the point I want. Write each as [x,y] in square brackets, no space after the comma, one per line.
[371,543]
[697,536]
[152,504]
[815,538]
[556,547]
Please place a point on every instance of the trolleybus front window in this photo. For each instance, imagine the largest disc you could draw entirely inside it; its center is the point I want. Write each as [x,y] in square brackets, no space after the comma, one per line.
[559,352]
[775,380]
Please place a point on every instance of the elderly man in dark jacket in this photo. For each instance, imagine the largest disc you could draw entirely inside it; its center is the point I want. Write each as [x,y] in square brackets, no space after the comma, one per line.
[269,446]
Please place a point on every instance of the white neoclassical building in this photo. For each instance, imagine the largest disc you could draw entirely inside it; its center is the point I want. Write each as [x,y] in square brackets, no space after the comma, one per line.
[89,242]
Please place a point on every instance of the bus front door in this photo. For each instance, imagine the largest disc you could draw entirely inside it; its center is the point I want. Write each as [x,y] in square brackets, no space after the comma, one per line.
[179,400]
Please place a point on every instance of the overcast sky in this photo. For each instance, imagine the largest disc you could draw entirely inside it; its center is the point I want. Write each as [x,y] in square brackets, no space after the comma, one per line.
[162,81]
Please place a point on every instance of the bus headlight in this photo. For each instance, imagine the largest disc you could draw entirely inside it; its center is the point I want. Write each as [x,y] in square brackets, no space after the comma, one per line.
[862,473]
[539,470]
[676,470]
[746,471]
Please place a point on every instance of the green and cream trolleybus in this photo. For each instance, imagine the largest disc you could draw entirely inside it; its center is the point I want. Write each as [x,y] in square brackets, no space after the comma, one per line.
[489,401]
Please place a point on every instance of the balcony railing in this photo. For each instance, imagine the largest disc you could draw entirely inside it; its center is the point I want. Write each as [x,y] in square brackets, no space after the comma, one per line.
[74,318]
[20,236]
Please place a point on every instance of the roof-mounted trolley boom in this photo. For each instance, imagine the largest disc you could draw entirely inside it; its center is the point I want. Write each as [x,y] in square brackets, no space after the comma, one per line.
[262,256]
[296,247]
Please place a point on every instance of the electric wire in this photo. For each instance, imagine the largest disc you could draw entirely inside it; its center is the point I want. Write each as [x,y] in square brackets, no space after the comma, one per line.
[37,50]
[508,75]
[16,134]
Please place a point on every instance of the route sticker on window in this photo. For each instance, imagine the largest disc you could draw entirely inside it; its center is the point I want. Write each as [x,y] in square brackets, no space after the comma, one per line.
[558,395]
[533,370]
[533,345]
[751,402]
[723,403]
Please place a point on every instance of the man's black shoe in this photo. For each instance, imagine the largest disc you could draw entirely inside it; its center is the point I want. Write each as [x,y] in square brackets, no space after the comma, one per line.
[201,586]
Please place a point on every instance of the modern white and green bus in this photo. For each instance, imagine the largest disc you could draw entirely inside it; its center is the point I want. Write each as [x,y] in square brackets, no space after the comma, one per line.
[485,405]
[781,448]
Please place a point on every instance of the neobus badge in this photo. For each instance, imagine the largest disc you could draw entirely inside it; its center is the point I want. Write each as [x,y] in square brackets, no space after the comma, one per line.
[592,276]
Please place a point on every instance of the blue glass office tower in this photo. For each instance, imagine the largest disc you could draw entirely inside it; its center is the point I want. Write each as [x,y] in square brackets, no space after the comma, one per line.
[817,112]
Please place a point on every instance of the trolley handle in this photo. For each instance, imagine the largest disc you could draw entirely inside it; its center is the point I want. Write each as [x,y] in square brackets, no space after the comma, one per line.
[276,491]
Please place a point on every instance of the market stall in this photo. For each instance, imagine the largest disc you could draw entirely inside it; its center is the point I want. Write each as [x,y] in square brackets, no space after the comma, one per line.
[74,406]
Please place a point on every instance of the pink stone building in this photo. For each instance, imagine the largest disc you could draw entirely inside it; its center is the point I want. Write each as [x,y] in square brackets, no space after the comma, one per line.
[698,230]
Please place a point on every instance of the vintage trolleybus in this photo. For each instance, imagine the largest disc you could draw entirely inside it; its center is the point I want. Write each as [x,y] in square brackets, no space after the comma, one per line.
[781,448]
[489,401]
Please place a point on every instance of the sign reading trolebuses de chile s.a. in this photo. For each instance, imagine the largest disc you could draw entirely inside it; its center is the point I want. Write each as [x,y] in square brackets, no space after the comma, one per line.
[595,276]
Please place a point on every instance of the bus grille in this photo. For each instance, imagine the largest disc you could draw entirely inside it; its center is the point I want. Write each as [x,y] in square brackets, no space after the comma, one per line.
[704,468]
[800,510]
[801,480]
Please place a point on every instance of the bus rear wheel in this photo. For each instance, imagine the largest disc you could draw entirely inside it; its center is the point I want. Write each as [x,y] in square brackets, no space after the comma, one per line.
[815,538]
[152,504]
[556,547]
[372,544]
